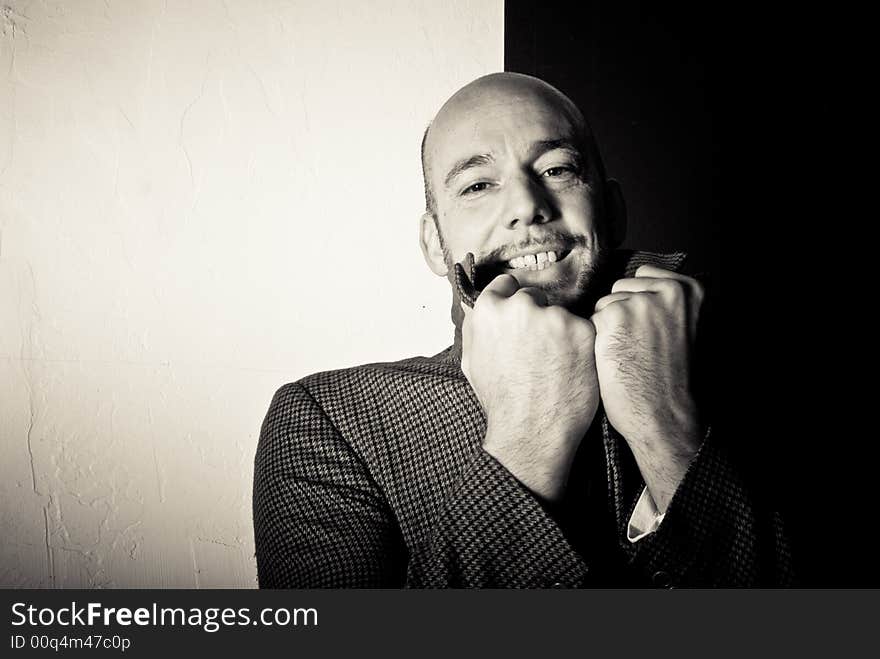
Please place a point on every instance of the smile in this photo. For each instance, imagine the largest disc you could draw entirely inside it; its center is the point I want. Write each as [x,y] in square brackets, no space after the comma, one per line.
[536,260]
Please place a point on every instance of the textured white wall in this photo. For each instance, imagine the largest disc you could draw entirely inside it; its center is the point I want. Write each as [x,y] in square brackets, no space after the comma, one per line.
[199,201]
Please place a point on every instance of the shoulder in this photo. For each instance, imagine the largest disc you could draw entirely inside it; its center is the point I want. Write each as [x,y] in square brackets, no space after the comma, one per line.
[368,386]
[391,414]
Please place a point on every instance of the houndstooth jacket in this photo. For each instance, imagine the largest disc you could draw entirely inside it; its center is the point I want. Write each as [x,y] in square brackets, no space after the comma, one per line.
[374,476]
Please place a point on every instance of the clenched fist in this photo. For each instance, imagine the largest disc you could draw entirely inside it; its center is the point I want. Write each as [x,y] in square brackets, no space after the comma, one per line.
[532,369]
[645,332]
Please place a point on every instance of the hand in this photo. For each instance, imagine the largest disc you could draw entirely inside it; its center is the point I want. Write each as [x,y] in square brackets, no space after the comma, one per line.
[645,331]
[532,369]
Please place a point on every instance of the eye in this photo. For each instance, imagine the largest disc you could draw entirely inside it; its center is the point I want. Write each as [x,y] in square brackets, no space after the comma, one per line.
[561,170]
[474,188]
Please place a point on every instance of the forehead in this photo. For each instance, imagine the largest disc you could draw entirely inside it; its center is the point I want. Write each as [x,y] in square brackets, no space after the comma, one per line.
[497,124]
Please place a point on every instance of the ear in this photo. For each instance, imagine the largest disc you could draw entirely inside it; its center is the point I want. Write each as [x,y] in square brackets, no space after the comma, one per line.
[615,208]
[431,248]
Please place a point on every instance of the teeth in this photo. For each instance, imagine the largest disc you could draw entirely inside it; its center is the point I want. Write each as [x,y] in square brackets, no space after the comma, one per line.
[533,262]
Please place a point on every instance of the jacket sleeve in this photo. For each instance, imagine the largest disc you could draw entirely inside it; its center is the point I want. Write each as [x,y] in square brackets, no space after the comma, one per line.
[491,532]
[319,519]
[718,530]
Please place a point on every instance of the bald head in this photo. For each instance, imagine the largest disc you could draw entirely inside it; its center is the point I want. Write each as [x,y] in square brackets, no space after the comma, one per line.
[512,175]
[478,100]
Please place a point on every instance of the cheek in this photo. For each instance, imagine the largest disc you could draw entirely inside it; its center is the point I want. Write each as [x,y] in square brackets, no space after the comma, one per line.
[579,209]
[465,230]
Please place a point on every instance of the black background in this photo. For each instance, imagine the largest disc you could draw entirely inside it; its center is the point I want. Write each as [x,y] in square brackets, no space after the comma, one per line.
[642,73]
[733,116]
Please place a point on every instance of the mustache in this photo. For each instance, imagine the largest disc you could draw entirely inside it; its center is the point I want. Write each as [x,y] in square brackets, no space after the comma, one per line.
[547,240]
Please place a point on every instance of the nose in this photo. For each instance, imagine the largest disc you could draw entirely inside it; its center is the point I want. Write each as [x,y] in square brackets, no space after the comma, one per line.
[527,203]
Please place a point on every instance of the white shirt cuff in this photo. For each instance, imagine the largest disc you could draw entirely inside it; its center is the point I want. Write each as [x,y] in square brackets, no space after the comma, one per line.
[645,518]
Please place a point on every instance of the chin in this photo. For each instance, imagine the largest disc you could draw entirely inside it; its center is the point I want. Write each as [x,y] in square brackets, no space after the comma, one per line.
[566,296]
[567,284]
[580,296]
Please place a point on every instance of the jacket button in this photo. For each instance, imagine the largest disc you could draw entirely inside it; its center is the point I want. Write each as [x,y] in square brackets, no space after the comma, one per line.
[662,579]
[558,584]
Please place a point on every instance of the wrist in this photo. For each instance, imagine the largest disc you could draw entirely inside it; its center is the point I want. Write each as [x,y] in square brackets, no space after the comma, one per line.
[675,432]
[663,461]
[542,466]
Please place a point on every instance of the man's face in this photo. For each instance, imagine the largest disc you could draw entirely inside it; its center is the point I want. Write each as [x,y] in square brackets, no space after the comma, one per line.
[514,185]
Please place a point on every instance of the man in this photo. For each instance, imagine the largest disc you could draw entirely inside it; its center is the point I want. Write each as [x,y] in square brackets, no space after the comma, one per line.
[559,442]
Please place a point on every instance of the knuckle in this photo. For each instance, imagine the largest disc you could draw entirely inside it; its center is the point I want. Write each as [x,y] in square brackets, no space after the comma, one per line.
[588,330]
[607,319]
[557,316]
[637,305]
[522,299]
[504,282]
[616,311]
[608,316]
[673,289]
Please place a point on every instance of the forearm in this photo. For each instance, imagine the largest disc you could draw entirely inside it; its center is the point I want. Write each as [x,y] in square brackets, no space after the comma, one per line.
[663,465]
[664,444]
[543,467]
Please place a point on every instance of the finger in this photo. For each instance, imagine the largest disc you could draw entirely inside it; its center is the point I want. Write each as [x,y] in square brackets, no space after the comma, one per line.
[602,317]
[674,287]
[611,299]
[616,303]
[692,287]
[502,286]
[659,273]
[467,293]
[639,285]
[538,296]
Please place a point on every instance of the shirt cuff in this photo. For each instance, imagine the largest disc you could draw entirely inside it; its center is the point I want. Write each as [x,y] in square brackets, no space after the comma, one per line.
[645,518]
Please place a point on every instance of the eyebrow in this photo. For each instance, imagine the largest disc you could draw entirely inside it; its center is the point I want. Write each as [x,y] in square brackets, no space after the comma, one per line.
[467,163]
[543,146]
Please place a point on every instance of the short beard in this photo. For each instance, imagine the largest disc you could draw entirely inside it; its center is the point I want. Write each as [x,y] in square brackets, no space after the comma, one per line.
[592,283]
